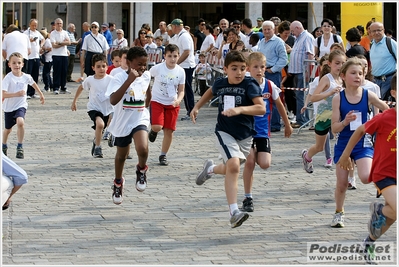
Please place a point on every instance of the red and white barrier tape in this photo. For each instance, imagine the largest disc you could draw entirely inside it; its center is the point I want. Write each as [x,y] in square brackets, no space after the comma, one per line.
[296,89]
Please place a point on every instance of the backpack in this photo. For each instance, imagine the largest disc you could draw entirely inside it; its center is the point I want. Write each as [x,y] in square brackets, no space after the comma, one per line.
[389,46]
[335,38]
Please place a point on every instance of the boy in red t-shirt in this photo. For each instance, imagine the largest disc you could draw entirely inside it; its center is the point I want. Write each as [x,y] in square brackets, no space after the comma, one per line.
[383,171]
[116,61]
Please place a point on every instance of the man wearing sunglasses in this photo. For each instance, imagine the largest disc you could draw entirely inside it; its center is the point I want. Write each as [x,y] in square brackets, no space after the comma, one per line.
[199,35]
[94,43]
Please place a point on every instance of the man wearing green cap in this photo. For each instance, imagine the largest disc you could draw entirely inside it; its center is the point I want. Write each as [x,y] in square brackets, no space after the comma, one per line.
[258,27]
[187,61]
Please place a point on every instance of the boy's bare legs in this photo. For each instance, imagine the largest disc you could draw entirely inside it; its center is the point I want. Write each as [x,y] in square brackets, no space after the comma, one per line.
[231,179]
[167,140]
[20,129]
[140,139]
[6,133]
[120,158]
[248,171]
[99,130]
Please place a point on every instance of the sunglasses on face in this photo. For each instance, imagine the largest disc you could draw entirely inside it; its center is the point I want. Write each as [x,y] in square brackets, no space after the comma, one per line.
[94,27]
[142,32]
[202,24]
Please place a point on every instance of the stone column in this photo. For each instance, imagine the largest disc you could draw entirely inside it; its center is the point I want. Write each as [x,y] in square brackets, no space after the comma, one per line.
[253,10]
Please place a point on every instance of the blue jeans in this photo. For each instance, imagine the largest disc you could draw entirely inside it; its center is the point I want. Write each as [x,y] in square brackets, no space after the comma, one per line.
[33,70]
[276,78]
[188,90]
[300,99]
[385,87]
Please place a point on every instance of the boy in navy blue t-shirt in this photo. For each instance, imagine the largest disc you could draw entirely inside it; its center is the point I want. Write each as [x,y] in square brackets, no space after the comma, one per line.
[239,100]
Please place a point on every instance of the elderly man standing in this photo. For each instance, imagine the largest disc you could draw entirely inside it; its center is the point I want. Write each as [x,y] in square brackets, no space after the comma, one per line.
[382,61]
[36,40]
[60,40]
[273,48]
[161,31]
[303,49]
[186,60]
[223,25]
[72,50]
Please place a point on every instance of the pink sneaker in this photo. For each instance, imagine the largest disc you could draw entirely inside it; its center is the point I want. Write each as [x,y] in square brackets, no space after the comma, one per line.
[329,163]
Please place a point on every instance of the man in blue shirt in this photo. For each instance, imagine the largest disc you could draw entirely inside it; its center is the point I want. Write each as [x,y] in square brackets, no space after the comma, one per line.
[108,36]
[273,48]
[382,61]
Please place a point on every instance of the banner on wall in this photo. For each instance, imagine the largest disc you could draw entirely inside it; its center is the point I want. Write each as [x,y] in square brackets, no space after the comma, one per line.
[359,13]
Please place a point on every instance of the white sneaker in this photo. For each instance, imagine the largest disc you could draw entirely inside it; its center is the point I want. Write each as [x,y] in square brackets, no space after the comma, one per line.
[351,183]
[338,220]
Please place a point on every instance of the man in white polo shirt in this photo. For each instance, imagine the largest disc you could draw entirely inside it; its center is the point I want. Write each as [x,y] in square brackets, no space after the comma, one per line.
[185,43]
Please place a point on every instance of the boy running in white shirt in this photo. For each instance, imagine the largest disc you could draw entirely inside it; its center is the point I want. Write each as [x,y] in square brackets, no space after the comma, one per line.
[14,88]
[167,93]
[128,93]
[98,107]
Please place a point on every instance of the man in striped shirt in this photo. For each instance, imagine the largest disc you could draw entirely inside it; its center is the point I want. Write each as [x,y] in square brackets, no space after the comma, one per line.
[303,49]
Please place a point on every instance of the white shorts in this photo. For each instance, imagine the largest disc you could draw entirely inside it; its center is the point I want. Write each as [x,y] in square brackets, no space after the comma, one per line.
[229,147]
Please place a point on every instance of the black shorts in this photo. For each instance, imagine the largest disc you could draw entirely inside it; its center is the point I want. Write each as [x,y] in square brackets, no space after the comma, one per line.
[93,114]
[127,140]
[384,183]
[10,118]
[324,132]
[261,144]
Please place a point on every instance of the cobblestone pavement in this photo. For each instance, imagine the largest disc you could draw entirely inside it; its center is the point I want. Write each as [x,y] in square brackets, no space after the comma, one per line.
[65,214]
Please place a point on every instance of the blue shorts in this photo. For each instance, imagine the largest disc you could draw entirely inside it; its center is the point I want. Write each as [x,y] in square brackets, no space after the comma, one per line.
[10,118]
[127,140]
[384,183]
[357,153]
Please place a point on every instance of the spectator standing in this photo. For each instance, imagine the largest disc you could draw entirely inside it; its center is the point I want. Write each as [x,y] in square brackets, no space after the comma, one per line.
[186,61]
[367,39]
[120,41]
[72,50]
[237,26]
[112,29]
[108,36]
[140,41]
[318,31]
[323,43]
[216,31]
[16,41]
[382,61]
[60,40]
[95,43]
[199,35]
[273,48]
[36,41]
[259,22]
[161,31]
[48,61]
[223,25]
[209,41]
[303,49]
[246,27]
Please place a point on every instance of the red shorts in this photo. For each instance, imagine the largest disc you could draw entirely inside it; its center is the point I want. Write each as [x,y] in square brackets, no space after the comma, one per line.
[165,115]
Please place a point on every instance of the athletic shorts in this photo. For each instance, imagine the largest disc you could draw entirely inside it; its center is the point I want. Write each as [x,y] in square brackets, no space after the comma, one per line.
[127,140]
[261,145]
[93,114]
[324,132]
[359,153]
[384,183]
[10,118]
[229,147]
[165,115]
